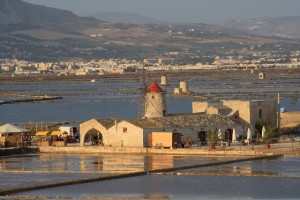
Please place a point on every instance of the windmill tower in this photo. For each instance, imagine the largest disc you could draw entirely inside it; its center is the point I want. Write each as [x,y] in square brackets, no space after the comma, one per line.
[154,101]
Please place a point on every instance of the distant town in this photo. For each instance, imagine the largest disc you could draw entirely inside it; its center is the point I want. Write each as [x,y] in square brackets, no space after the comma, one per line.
[120,66]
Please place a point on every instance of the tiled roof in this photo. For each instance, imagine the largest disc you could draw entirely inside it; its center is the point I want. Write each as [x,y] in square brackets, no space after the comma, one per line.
[154,87]
[107,123]
[194,120]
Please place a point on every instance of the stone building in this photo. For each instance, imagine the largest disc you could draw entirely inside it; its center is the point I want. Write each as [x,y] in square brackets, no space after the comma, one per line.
[134,133]
[97,129]
[155,101]
[249,111]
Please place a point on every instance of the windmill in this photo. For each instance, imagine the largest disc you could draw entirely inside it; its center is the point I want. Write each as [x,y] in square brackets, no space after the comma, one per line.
[142,93]
[151,102]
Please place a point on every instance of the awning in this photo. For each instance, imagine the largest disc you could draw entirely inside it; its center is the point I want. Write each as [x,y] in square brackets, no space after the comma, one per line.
[10,128]
[42,133]
[58,132]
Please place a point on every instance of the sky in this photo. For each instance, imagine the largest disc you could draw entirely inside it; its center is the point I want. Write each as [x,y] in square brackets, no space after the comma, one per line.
[190,11]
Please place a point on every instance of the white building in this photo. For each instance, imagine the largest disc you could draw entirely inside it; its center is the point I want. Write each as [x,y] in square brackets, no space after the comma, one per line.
[134,133]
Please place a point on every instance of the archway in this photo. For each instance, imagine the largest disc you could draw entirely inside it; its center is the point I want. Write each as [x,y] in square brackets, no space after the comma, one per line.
[228,135]
[202,137]
[93,137]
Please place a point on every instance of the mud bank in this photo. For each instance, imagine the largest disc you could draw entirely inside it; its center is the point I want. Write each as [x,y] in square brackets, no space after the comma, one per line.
[30,100]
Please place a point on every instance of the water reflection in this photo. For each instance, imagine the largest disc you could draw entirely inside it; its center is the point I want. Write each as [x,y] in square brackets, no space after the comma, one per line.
[249,181]
[95,164]
[281,167]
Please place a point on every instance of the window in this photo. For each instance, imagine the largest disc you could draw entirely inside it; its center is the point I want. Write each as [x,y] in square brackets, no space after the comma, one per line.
[260,113]
[124,129]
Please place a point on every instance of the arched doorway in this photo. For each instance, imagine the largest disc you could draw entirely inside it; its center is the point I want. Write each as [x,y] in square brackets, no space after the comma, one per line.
[228,135]
[202,137]
[93,137]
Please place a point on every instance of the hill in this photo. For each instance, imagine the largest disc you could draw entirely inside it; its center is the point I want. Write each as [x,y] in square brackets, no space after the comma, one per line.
[287,27]
[19,15]
[38,33]
[122,17]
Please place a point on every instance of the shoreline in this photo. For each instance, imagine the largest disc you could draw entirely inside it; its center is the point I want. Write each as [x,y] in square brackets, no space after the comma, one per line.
[192,151]
[204,151]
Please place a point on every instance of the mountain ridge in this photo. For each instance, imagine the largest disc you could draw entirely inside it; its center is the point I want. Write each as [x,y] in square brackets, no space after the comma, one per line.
[286,27]
[124,17]
[18,13]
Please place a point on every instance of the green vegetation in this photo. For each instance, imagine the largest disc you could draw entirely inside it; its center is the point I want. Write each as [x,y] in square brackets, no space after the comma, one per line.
[262,123]
[212,136]
[270,134]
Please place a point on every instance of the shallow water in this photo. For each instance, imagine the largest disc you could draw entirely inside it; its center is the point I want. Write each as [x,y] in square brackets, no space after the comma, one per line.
[31,169]
[282,182]
[83,100]
[182,187]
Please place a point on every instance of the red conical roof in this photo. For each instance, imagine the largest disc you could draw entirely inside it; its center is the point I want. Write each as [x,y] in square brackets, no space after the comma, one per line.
[154,87]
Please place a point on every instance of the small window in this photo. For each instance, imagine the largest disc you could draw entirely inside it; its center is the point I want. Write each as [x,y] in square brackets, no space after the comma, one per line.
[124,129]
[260,113]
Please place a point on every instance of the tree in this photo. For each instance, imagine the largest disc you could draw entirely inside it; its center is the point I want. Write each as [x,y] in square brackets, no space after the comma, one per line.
[262,123]
[212,137]
[269,135]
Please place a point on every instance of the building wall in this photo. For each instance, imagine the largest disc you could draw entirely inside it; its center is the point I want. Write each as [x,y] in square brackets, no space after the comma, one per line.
[248,110]
[212,110]
[265,109]
[192,132]
[198,107]
[155,105]
[254,110]
[88,125]
[289,119]
[14,139]
[128,135]
[243,108]
[125,134]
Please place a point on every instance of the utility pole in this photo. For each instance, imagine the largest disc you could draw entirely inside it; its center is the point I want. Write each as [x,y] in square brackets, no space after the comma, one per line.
[278,112]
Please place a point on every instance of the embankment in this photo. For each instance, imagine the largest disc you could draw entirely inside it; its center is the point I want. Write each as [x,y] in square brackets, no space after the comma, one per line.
[181,151]
[29,100]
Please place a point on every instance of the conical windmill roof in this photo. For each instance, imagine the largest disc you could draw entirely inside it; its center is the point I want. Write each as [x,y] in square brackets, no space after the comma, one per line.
[154,87]
[9,128]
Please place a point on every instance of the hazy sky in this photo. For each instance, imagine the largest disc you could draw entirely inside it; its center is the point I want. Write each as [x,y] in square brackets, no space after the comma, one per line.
[206,11]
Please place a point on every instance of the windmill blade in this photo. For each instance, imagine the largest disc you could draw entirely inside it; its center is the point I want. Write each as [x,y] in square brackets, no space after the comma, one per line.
[142,93]
[141,104]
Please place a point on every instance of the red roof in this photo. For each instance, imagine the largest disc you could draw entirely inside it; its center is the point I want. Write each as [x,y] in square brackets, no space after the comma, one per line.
[154,87]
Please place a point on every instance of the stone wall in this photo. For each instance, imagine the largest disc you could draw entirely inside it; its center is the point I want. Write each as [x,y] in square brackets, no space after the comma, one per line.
[180,151]
[267,109]
[128,135]
[243,108]
[199,107]
[254,110]
[289,119]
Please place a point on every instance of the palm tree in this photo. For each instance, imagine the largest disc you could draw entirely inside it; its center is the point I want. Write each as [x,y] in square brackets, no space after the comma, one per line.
[212,137]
